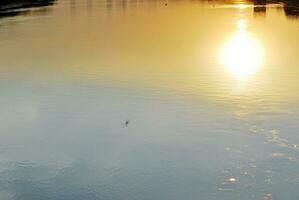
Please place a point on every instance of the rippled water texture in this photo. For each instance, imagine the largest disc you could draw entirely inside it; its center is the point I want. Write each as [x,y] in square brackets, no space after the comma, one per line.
[149,100]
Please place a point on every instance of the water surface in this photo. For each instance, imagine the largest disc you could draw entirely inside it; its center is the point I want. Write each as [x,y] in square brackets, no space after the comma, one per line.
[210,89]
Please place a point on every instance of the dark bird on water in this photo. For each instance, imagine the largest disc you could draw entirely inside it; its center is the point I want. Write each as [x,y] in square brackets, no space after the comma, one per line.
[127,122]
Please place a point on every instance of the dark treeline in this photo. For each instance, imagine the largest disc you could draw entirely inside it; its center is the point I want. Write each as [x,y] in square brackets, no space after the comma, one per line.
[291,2]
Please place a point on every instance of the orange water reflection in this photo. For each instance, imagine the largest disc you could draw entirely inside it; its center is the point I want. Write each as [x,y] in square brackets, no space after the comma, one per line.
[196,48]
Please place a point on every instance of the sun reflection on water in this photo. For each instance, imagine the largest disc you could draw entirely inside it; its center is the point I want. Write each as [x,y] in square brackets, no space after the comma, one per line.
[241,54]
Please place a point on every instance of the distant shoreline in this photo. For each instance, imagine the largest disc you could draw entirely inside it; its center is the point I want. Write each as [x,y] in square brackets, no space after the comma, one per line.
[7,5]
[10,7]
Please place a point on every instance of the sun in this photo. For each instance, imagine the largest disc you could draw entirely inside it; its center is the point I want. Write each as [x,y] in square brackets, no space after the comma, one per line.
[241,54]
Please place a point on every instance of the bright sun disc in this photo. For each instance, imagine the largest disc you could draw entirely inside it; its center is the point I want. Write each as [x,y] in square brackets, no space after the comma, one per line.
[241,55]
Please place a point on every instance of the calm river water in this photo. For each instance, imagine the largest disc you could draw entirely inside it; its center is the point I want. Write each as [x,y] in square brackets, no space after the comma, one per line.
[149,100]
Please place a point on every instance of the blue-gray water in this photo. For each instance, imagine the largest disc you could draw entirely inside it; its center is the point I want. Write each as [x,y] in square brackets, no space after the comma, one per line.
[210,90]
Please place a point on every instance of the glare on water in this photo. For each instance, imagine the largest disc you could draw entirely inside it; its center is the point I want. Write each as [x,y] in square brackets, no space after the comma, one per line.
[241,54]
